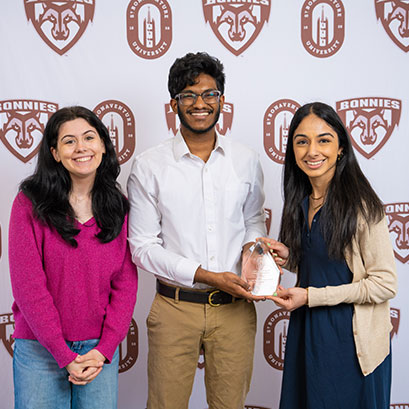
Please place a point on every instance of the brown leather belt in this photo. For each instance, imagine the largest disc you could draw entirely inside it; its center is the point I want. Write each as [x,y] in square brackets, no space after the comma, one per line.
[212,297]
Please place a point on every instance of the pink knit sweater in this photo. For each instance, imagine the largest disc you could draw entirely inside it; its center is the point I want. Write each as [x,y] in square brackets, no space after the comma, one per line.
[64,293]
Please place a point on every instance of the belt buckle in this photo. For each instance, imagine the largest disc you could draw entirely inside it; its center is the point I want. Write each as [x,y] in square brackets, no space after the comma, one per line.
[213,304]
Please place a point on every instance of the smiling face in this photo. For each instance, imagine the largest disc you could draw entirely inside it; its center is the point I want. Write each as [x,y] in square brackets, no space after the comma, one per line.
[79,149]
[316,149]
[199,117]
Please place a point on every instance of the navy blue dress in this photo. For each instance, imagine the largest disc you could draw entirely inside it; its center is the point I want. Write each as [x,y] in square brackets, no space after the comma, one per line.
[321,369]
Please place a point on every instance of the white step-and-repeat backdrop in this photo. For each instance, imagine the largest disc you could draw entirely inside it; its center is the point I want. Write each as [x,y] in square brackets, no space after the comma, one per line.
[114,56]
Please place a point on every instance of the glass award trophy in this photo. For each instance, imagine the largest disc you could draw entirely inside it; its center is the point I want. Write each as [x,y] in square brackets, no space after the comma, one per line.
[260,270]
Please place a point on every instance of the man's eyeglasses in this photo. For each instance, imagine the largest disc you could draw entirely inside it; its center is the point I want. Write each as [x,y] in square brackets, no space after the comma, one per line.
[189,98]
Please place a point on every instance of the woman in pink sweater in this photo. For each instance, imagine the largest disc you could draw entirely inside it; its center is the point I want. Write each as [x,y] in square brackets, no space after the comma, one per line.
[73,279]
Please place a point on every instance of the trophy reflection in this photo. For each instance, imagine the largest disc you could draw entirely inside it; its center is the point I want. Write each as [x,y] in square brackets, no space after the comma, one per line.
[260,270]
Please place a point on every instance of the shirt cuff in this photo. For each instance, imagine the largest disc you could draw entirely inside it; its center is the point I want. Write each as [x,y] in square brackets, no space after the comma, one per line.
[186,270]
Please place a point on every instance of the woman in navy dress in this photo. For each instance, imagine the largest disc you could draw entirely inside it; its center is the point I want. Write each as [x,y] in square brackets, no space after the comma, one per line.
[335,236]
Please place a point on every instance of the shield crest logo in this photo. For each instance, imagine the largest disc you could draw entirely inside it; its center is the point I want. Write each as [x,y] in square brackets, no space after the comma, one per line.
[120,122]
[171,119]
[22,123]
[275,338]
[276,124]
[6,331]
[149,27]
[398,221]
[395,319]
[394,15]
[322,27]
[370,122]
[60,23]
[236,25]
[128,348]
[223,125]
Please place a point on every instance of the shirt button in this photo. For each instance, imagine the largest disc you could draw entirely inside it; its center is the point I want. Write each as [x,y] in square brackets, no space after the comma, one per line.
[212,258]
[210,228]
[206,170]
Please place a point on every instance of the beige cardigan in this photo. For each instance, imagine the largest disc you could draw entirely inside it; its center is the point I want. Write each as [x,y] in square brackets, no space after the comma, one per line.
[374,282]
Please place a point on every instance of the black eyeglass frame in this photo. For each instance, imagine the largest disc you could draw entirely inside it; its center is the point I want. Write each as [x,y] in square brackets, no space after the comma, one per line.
[179,97]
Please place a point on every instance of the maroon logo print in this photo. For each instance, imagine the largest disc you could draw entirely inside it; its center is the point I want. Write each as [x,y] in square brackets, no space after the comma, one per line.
[399,406]
[398,221]
[322,27]
[276,123]
[236,23]
[128,349]
[394,15]
[395,318]
[6,331]
[370,121]
[275,337]
[22,124]
[60,23]
[120,121]
[149,27]
[223,125]
[201,363]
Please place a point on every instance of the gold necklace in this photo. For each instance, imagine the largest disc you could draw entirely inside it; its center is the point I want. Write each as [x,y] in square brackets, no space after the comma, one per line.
[317,207]
[316,198]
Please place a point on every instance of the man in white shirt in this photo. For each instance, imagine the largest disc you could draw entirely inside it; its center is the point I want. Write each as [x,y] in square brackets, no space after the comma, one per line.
[196,206]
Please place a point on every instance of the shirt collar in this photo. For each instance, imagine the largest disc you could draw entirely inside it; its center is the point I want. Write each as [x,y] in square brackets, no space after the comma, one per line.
[181,149]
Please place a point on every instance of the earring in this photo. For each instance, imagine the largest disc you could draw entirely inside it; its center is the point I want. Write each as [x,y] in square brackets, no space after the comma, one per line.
[340,156]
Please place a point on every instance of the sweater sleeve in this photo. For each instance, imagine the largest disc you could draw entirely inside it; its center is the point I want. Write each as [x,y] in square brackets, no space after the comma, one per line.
[122,301]
[373,265]
[29,281]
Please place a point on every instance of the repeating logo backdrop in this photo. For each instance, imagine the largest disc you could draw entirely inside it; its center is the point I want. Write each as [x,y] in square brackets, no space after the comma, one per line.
[149,27]
[322,27]
[394,15]
[60,23]
[236,24]
[370,121]
[278,55]
[22,124]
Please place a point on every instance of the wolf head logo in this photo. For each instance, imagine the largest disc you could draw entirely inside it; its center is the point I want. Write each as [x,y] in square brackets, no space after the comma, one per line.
[395,319]
[6,331]
[60,23]
[236,25]
[398,221]
[370,122]
[21,130]
[394,16]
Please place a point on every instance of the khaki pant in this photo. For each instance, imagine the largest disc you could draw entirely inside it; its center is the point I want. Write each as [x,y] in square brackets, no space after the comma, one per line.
[177,330]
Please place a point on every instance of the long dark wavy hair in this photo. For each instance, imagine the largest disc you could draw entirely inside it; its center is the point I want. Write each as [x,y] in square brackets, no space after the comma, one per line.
[349,193]
[50,185]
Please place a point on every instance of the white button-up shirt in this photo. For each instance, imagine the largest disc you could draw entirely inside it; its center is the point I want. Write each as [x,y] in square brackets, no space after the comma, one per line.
[186,212]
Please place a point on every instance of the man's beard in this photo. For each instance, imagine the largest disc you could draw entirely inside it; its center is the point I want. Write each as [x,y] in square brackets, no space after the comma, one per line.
[183,121]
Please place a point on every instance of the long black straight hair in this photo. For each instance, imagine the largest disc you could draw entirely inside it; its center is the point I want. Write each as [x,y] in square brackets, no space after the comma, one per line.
[50,185]
[349,193]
